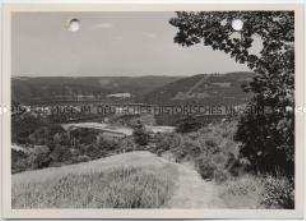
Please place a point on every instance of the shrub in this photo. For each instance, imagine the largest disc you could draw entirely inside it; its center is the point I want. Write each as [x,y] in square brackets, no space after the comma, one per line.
[24,125]
[188,124]
[212,149]
[19,161]
[60,154]
[268,142]
[213,167]
[39,158]
[84,135]
[250,191]
[141,137]
[243,192]
[126,145]
[221,175]
[279,193]
[81,158]
[206,169]
[39,136]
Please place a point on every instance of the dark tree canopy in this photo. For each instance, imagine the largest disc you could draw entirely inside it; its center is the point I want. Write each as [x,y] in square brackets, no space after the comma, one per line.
[267,137]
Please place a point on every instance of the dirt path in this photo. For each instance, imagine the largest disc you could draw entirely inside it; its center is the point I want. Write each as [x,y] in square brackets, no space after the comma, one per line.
[196,85]
[194,192]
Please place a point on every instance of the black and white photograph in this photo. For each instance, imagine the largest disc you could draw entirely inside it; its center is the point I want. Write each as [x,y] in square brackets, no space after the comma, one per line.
[181,109]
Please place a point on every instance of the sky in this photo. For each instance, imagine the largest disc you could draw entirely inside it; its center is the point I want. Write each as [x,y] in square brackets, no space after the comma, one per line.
[108,44]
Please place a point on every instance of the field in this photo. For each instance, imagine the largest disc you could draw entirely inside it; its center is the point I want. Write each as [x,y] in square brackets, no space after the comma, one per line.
[133,180]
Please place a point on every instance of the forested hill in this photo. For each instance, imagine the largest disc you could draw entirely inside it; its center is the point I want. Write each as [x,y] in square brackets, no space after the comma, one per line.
[32,89]
[210,88]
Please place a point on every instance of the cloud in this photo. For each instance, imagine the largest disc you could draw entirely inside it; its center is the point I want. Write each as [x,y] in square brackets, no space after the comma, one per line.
[102,25]
[150,35]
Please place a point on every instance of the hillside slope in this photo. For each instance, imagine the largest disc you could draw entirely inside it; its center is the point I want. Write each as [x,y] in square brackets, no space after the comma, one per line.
[208,88]
[178,186]
[132,180]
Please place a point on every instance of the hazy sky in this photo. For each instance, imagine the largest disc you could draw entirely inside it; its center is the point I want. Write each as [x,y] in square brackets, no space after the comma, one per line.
[108,44]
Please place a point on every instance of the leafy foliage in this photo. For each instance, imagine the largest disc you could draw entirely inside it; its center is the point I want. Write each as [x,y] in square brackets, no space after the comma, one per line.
[267,136]
[23,125]
[189,124]
[258,192]
[52,146]
[211,149]
[279,193]
[141,137]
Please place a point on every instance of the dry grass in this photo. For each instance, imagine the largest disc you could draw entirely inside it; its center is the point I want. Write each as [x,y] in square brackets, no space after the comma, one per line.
[243,192]
[123,186]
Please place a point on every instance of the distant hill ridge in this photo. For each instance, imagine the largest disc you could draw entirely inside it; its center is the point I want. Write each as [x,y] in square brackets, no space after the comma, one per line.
[32,89]
[144,89]
[211,88]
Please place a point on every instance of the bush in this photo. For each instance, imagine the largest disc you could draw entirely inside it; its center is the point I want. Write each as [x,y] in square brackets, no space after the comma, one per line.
[206,169]
[141,137]
[19,161]
[221,175]
[165,144]
[243,192]
[188,124]
[126,145]
[81,158]
[60,154]
[24,125]
[268,142]
[251,191]
[39,158]
[84,135]
[213,167]
[279,193]
[212,149]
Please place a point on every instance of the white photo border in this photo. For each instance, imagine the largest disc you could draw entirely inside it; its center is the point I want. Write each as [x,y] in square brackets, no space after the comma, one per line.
[8,11]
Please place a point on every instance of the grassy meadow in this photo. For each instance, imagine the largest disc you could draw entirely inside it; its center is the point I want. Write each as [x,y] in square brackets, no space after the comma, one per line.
[148,183]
